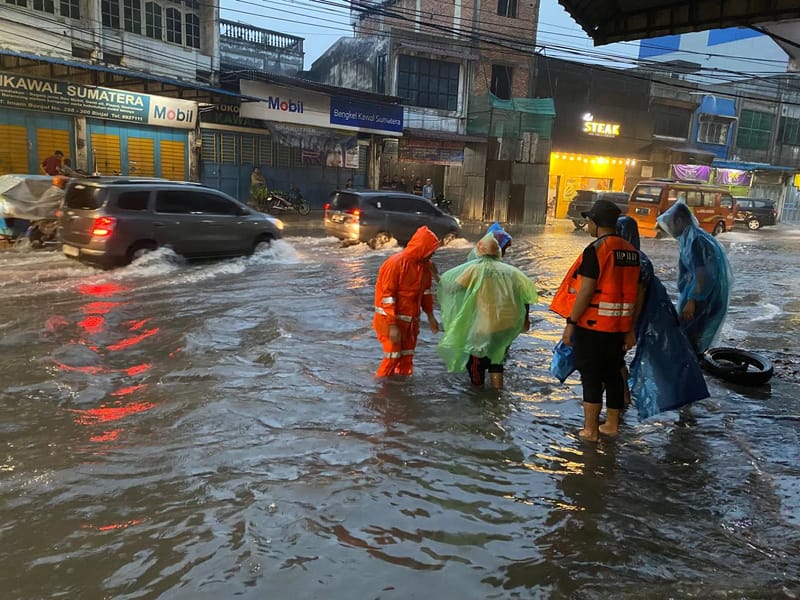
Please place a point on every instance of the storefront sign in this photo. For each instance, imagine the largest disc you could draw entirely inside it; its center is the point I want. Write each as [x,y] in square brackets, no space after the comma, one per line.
[366,116]
[285,105]
[228,114]
[599,128]
[53,96]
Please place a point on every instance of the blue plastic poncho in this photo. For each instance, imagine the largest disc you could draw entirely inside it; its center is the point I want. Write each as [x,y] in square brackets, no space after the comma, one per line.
[482,305]
[501,235]
[704,275]
[664,373]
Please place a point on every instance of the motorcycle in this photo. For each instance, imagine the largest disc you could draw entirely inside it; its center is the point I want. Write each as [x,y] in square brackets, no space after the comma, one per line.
[443,204]
[42,232]
[278,201]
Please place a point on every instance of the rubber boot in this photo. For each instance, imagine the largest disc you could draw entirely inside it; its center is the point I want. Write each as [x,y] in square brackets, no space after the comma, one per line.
[591,420]
[496,380]
[611,426]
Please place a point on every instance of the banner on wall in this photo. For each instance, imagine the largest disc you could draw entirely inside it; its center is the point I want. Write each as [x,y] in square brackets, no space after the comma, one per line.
[326,147]
[732,177]
[685,171]
[431,151]
[49,95]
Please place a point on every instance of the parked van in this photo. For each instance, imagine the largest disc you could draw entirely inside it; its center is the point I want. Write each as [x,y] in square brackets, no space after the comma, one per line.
[711,204]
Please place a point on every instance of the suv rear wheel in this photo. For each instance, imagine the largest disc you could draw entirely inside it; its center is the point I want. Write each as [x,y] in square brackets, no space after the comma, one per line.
[139,249]
[753,223]
[380,240]
[578,224]
[449,237]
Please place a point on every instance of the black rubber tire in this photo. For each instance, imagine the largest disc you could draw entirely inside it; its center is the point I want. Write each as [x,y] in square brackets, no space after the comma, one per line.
[737,366]
[302,207]
[719,228]
[262,239]
[579,224]
[138,250]
[380,240]
[449,237]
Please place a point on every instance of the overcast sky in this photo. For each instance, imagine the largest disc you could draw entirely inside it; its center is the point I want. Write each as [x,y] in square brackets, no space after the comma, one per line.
[322,22]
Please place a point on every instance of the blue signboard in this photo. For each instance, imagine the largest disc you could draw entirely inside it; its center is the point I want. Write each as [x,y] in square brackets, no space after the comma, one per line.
[367,116]
[34,93]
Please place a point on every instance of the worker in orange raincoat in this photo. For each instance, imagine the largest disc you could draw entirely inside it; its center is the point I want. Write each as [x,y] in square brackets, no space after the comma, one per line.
[402,292]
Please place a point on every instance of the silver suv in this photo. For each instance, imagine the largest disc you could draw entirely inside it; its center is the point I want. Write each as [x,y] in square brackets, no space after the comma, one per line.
[111,221]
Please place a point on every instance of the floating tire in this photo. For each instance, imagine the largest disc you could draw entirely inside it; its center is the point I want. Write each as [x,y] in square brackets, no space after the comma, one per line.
[737,366]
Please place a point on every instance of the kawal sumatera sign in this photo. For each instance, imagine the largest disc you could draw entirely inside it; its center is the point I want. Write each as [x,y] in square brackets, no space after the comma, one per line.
[599,128]
[33,93]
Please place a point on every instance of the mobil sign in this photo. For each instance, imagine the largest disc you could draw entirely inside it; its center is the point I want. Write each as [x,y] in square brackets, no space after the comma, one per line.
[284,104]
[171,112]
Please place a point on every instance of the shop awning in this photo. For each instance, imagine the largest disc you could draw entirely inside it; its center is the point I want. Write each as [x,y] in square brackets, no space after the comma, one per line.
[442,136]
[607,21]
[196,91]
[751,166]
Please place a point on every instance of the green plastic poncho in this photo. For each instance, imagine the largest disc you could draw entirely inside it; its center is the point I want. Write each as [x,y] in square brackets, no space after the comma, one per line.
[482,306]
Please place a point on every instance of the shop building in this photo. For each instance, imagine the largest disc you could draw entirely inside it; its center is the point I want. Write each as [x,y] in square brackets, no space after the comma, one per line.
[96,94]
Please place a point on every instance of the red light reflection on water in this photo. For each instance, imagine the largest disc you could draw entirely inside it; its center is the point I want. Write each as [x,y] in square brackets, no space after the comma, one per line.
[113,526]
[128,342]
[92,324]
[101,290]
[106,436]
[105,414]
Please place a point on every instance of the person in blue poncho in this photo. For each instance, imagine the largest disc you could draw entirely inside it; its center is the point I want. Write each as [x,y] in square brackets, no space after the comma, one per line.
[664,372]
[484,306]
[501,235]
[704,277]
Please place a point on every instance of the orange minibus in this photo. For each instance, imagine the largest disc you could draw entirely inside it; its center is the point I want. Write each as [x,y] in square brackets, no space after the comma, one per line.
[711,204]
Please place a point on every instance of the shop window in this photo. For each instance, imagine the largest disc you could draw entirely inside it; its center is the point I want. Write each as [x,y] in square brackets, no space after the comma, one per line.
[132,13]
[671,122]
[192,31]
[380,74]
[428,83]
[755,130]
[18,2]
[208,149]
[48,6]
[789,132]
[71,9]
[713,130]
[501,82]
[110,12]
[507,8]
[154,21]
[174,26]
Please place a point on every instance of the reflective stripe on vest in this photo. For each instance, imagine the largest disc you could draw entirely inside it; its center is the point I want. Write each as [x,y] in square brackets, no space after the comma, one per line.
[608,311]
[391,355]
[387,300]
[405,318]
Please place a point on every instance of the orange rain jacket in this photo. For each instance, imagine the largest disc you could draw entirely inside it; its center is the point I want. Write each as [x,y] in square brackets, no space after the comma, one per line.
[403,289]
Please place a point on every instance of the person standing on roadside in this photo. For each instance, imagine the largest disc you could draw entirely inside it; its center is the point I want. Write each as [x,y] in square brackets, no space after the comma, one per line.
[52,163]
[597,298]
[427,190]
[402,292]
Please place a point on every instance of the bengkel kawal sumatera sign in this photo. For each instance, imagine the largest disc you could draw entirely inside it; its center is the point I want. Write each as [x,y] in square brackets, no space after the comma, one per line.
[33,93]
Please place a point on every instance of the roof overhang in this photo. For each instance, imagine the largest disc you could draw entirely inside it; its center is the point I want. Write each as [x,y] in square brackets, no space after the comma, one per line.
[607,21]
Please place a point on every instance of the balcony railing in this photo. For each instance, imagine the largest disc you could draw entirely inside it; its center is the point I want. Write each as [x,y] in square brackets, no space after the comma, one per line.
[256,36]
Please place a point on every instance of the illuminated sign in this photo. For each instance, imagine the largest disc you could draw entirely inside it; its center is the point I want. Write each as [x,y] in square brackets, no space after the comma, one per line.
[598,128]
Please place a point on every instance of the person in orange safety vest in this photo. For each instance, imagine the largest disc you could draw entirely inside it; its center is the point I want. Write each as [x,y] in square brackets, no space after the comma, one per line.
[402,292]
[598,298]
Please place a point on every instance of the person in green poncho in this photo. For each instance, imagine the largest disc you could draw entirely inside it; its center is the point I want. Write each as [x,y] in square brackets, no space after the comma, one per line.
[484,307]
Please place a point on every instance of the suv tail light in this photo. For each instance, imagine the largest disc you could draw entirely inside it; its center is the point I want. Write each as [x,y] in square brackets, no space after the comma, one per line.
[355,213]
[103,226]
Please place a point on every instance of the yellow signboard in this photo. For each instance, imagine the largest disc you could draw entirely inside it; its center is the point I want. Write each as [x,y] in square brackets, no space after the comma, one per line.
[601,129]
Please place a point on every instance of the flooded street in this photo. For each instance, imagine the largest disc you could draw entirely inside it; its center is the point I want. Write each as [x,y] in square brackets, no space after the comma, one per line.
[211,430]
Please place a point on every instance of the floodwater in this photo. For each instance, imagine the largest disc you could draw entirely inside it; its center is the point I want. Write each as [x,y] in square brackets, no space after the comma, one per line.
[211,430]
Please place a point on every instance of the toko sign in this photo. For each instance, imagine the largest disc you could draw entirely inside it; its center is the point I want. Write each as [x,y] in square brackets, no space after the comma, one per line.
[34,93]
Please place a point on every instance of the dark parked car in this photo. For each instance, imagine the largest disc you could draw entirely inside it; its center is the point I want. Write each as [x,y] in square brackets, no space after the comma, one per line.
[754,212]
[584,200]
[375,217]
[110,221]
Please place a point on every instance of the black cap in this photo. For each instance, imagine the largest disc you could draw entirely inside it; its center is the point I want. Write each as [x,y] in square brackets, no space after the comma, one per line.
[604,213]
